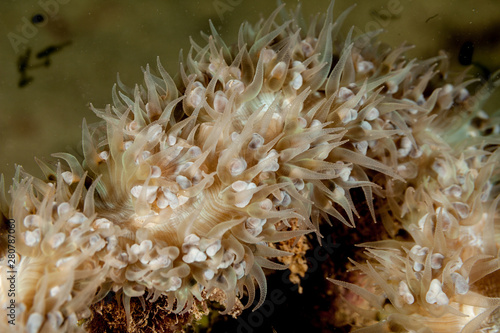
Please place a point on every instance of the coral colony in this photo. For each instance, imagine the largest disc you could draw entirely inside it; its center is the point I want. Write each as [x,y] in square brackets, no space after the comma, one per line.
[187,187]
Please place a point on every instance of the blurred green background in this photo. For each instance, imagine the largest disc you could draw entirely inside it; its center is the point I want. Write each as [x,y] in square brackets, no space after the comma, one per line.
[107,37]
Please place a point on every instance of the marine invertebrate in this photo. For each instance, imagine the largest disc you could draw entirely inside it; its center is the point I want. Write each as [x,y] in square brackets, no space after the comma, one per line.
[433,281]
[438,277]
[183,186]
[187,191]
[61,237]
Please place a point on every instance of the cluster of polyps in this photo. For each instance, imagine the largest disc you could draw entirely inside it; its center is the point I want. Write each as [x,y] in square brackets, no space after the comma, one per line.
[256,143]
[60,242]
[447,205]
[192,181]
[450,214]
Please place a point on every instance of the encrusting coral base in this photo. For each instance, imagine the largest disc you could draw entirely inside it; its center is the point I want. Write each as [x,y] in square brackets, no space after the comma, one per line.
[193,186]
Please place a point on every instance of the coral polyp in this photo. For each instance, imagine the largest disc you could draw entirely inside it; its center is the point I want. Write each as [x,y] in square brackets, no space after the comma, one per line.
[188,186]
[434,281]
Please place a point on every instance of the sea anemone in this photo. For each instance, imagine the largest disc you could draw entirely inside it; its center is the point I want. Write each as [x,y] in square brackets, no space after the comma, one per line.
[439,277]
[59,240]
[185,186]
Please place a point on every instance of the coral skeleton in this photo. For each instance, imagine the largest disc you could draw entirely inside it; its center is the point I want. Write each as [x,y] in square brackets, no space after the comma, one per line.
[189,184]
